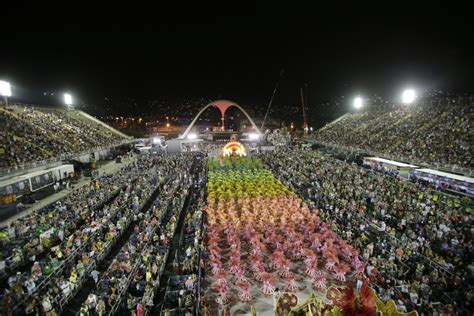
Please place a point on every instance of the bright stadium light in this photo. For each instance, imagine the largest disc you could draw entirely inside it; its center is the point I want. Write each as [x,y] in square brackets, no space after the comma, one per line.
[68,99]
[253,136]
[192,136]
[5,89]
[358,102]
[408,96]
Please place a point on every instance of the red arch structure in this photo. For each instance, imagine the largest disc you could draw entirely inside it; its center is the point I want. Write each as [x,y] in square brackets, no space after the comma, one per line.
[223,106]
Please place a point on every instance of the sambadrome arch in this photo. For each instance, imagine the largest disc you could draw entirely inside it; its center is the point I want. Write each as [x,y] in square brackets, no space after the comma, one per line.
[223,106]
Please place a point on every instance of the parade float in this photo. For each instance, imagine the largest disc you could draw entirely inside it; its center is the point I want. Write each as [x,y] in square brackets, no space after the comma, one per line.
[233,149]
[348,303]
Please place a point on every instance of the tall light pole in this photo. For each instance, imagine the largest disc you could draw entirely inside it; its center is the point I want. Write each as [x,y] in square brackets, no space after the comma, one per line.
[5,91]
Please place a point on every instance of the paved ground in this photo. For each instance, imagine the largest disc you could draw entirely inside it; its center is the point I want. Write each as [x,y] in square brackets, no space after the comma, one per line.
[109,166]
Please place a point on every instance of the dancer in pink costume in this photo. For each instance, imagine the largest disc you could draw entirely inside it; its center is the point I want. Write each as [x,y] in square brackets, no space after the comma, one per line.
[346,252]
[298,245]
[319,281]
[258,248]
[223,291]
[290,283]
[331,261]
[245,293]
[256,263]
[259,274]
[235,247]
[234,263]
[287,247]
[268,285]
[311,268]
[340,271]
[240,274]
[216,267]
[316,241]
[276,259]
[234,266]
[285,268]
[310,257]
[221,277]
[359,267]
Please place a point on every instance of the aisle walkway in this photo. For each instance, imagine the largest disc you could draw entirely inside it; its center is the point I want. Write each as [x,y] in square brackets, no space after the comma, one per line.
[160,297]
[108,167]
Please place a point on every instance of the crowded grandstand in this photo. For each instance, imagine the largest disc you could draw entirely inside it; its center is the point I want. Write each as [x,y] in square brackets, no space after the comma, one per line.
[32,135]
[434,134]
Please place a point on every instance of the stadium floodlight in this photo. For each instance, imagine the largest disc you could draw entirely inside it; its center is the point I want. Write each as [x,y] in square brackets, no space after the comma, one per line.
[254,136]
[358,102]
[5,89]
[68,99]
[192,136]
[408,96]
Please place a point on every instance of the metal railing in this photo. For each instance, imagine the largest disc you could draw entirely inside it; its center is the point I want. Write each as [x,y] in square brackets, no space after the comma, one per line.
[21,168]
[437,166]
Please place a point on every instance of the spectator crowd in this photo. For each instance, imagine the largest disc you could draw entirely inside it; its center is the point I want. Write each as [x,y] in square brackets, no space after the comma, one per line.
[35,134]
[417,133]
[30,235]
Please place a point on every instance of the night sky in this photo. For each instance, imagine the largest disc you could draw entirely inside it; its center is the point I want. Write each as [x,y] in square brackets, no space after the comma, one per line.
[240,58]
